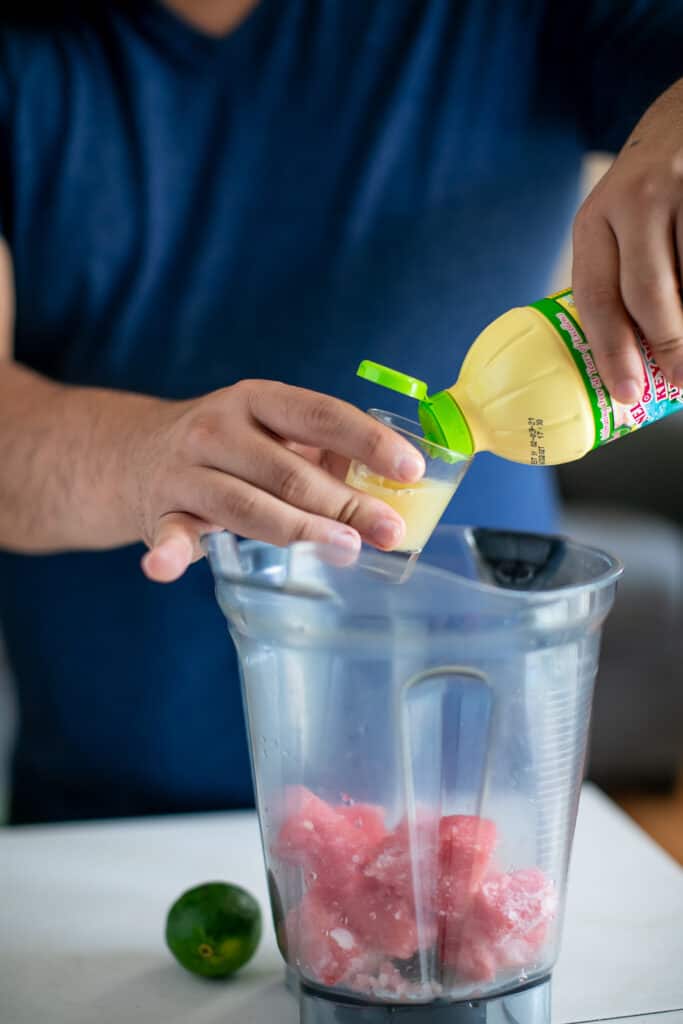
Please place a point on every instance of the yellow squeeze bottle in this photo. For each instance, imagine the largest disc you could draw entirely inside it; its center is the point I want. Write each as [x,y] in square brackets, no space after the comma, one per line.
[529,390]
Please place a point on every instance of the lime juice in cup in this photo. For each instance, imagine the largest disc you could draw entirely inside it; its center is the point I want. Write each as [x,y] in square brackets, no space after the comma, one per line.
[422,504]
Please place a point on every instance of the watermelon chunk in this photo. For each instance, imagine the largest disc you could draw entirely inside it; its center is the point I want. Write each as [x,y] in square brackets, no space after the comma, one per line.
[396,864]
[368,821]
[517,904]
[450,857]
[388,895]
[308,831]
[466,845]
[386,920]
[505,928]
[515,911]
[331,844]
[472,958]
[357,924]
[322,944]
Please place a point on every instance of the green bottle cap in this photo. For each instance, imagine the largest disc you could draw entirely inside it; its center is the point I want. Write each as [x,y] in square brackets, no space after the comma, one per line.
[392,379]
[440,415]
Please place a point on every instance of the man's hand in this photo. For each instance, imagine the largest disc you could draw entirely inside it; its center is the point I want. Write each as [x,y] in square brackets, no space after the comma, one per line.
[91,468]
[628,252]
[266,461]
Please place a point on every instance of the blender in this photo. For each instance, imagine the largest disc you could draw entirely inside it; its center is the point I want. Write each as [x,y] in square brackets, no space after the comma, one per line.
[417,752]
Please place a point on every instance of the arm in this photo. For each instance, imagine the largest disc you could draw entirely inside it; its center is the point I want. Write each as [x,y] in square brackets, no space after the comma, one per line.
[628,252]
[628,235]
[61,453]
[63,471]
[92,468]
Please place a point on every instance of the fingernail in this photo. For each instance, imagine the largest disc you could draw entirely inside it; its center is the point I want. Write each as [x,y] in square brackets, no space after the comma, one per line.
[347,539]
[386,533]
[628,391]
[409,467]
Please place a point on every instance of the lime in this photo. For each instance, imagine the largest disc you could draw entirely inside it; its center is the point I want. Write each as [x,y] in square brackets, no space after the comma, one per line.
[214,929]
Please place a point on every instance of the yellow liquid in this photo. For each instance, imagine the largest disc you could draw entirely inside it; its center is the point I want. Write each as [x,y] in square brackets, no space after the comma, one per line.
[522,394]
[420,505]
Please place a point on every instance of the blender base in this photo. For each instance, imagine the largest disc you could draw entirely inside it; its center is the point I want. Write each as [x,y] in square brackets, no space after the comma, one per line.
[530,1005]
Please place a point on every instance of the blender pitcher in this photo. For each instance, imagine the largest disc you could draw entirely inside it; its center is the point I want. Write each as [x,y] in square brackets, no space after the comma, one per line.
[417,750]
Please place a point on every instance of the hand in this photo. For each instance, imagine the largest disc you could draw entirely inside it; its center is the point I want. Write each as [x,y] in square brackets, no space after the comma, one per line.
[266,461]
[628,253]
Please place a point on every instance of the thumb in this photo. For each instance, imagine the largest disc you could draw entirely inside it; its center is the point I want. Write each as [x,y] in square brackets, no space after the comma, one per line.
[174,547]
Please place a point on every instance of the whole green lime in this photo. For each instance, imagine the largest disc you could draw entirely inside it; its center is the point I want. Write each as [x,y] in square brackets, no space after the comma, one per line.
[214,929]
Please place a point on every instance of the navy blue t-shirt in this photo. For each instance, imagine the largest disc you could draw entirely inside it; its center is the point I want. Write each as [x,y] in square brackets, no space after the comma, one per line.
[332,181]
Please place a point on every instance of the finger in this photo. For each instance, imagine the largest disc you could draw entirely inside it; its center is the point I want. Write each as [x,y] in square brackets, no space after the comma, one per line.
[336,465]
[175,546]
[269,466]
[648,276]
[595,281]
[313,455]
[678,244]
[240,507]
[310,418]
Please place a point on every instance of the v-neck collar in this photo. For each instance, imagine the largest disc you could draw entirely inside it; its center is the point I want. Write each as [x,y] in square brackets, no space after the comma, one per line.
[187,41]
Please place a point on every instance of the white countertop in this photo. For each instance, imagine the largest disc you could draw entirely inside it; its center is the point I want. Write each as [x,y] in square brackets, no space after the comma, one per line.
[83,909]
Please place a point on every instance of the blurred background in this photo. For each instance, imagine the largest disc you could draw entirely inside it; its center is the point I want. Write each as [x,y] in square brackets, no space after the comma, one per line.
[628,499]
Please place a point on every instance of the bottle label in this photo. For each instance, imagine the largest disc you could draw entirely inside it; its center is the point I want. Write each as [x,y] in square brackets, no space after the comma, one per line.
[612,419]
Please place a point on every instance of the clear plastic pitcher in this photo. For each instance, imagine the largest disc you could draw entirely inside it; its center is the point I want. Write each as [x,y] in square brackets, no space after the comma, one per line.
[417,750]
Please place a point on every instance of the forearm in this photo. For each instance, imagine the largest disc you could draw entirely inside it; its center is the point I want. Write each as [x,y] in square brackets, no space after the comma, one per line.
[66,463]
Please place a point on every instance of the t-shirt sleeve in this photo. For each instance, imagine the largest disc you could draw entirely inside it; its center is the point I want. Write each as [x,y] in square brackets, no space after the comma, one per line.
[618,55]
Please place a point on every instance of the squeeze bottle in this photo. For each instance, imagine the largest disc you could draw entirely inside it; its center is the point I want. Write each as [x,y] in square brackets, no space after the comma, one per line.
[529,390]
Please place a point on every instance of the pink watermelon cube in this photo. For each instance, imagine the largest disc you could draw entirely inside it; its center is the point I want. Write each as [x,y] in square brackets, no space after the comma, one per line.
[518,904]
[322,944]
[396,864]
[385,920]
[358,917]
[466,845]
[389,898]
[368,821]
[472,958]
[308,830]
[331,844]
[505,927]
